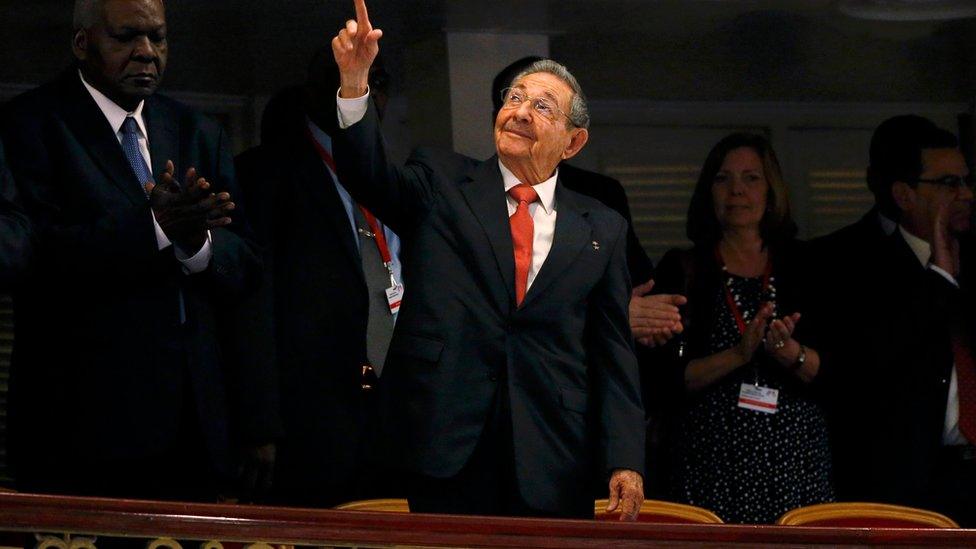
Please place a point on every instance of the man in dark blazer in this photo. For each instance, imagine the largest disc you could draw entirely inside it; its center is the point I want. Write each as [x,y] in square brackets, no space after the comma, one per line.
[654,318]
[313,312]
[898,374]
[14,229]
[507,377]
[117,386]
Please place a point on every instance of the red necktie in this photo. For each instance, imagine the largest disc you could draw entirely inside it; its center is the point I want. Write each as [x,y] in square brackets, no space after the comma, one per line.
[523,230]
[966,377]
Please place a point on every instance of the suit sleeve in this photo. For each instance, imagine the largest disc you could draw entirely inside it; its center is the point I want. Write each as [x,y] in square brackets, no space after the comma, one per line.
[398,196]
[621,415]
[14,229]
[235,267]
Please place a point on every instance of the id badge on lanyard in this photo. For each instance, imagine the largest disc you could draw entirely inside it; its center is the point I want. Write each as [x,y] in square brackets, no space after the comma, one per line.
[394,294]
[758,398]
[752,396]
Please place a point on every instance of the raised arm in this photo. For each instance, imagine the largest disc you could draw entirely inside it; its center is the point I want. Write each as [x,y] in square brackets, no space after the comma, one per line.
[397,195]
[355,48]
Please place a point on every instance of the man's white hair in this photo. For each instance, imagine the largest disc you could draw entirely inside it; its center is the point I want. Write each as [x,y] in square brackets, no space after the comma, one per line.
[579,114]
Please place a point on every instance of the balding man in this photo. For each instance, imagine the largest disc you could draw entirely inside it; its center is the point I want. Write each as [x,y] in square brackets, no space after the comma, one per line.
[117,386]
[511,373]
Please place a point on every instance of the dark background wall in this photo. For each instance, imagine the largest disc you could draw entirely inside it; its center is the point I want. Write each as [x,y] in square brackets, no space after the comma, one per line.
[697,50]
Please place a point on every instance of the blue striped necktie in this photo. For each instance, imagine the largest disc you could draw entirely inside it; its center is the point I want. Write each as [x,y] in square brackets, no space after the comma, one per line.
[130,146]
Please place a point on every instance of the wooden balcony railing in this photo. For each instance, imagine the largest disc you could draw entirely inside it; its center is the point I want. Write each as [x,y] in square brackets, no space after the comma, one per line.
[29,520]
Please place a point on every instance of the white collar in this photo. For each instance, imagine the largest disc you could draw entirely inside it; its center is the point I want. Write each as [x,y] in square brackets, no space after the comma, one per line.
[887,225]
[921,248]
[546,190]
[115,114]
[319,135]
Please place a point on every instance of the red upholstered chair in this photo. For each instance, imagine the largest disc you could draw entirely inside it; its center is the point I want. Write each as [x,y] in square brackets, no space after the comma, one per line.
[661,512]
[865,515]
[387,505]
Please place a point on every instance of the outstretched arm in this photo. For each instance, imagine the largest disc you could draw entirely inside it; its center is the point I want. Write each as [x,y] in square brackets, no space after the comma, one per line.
[355,48]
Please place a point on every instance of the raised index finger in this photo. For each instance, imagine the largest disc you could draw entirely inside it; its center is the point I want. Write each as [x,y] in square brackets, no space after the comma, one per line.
[362,16]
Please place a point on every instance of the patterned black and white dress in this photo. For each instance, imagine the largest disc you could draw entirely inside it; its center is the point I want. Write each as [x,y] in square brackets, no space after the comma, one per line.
[749,466]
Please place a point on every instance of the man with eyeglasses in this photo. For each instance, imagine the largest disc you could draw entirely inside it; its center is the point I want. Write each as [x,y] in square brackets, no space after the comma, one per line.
[511,373]
[900,366]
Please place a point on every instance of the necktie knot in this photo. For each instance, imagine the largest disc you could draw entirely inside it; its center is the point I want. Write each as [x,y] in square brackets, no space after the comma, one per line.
[523,193]
[129,126]
[130,146]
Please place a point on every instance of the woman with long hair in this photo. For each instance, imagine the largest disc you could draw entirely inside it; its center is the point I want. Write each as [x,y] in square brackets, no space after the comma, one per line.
[751,440]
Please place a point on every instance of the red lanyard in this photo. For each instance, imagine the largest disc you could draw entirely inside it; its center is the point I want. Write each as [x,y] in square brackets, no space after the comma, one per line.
[374,225]
[740,321]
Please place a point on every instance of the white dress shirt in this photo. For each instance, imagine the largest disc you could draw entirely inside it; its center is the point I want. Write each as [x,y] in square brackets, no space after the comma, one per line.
[951,435]
[543,211]
[116,116]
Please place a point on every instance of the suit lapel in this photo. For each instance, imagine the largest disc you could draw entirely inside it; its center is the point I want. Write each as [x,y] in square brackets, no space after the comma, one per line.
[572,233]
[484,192]
[164,139]
[319,186]
[94,133]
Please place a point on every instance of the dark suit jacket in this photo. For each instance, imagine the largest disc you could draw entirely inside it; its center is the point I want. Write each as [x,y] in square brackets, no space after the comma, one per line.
[14,229]
[314,311]
[101,360]
[887,370]
[611,193]
[566,354]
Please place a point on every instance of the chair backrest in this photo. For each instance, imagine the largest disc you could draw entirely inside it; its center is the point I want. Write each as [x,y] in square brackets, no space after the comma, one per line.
[865,515]
[387,505]
[661,512]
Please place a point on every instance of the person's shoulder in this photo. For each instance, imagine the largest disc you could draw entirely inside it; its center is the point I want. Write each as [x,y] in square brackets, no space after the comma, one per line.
[862,231]
[443,158]
[574,176]
[680,258]
[590,203]
[448,164]
[186,115]
[41,101]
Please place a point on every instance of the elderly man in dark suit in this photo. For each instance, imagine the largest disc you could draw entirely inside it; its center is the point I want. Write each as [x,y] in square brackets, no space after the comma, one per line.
[511,370]
[117,385]
[14,229]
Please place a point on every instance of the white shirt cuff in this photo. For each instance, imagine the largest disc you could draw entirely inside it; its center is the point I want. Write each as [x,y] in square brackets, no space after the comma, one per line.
[945,275]
[161,239]
[199,261]
[352,110]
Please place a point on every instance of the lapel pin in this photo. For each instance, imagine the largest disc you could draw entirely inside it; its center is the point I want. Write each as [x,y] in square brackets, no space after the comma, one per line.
[596,245]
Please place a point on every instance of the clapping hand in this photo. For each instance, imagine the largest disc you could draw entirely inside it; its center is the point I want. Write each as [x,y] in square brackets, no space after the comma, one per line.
[185,213]
[654,319]
[754,333]
[779,339]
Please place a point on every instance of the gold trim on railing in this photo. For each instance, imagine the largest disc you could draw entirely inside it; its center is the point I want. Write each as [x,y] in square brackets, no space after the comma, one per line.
[66,541]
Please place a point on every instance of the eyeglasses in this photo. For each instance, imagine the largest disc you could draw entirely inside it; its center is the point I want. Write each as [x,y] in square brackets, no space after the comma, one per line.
[953,182]
[512,98]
